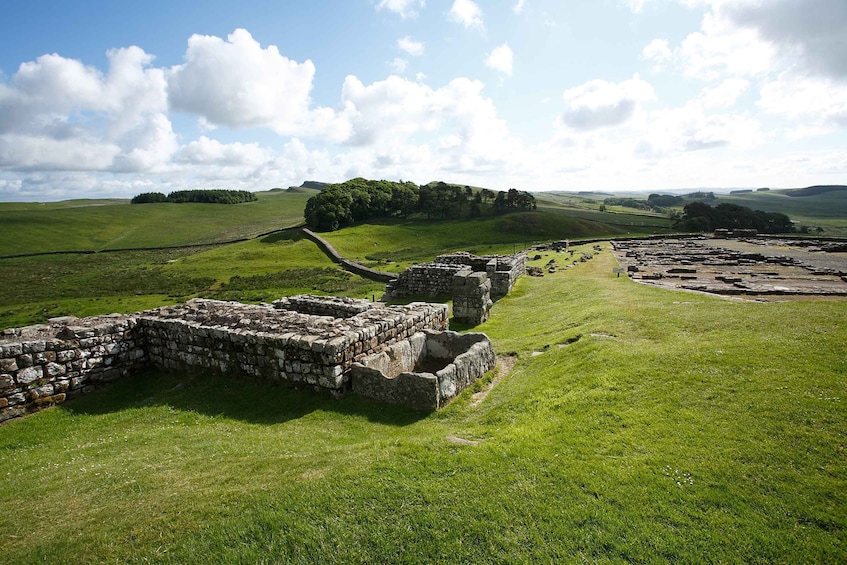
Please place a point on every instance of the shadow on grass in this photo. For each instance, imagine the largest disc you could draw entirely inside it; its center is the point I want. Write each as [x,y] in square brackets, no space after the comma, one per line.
[292,235]
[218,396]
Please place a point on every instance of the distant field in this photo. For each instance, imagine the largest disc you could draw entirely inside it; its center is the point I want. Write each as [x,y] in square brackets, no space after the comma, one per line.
[827,210]
[638,425]
[117,224]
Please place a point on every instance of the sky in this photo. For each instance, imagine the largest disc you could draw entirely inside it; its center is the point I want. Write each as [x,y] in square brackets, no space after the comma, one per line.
[110,99]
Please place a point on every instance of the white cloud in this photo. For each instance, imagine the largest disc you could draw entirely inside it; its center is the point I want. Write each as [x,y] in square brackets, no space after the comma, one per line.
[467,13]
[725,94]
[399,65]
[519,6]
[814,102]
[657,52]
[813,31]
[58,114]
[500,59]
[239,84]
[598,103]
[403,8]
[410,46]
[205,151]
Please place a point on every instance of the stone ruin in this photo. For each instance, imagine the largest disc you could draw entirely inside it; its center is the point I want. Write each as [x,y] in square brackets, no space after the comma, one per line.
[305,341]
[731,266]
[474,282]
[425,371]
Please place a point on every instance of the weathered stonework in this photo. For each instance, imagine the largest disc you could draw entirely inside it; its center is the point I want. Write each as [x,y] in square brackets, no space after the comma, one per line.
[304,340]
[46,364]
[471,297]
[279,345]
[425,371]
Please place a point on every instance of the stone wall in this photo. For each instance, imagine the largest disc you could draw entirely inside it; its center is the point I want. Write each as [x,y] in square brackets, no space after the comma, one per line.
[436,278]
[471,297]
[425,371]
[427,279]
[306,340]
[46,364]
[277,345]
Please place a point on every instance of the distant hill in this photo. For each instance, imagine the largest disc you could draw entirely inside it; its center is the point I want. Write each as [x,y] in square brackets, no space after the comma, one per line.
[815,190]
[313,184]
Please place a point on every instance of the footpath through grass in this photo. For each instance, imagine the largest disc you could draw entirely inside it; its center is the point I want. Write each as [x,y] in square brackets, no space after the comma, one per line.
[639,425]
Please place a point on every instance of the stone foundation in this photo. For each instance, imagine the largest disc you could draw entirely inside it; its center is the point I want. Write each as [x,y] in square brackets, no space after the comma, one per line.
[305,340]
[425,371]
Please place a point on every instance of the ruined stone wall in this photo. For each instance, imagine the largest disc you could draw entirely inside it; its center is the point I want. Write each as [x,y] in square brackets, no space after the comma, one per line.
[471,297]
[428,279]
[43,365]
[436,278]
[271,344]
[426,371]
[504,272]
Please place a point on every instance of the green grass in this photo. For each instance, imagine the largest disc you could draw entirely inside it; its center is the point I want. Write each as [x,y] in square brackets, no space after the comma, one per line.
[672,427]
[37,288]
[117,224]
[394,245]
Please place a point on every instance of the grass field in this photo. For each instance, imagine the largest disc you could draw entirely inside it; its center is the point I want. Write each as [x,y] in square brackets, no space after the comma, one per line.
[638,425]
[116,224]
[827,210]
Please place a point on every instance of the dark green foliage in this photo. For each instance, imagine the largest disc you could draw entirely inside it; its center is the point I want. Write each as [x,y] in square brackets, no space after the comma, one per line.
[699,216]
[212,196]
[627,203]
[514,200]
[203,196]
[357,200]
[149,197]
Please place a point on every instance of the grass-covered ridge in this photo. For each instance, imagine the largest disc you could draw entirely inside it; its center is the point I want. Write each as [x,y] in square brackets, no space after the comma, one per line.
[115,224]
[654,426]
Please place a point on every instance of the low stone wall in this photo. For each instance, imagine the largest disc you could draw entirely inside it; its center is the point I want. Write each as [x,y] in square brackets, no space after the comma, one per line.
[271,344]
[425,371]
[349,265]
[427,279]
[46,364]
[504,272]
[436,278]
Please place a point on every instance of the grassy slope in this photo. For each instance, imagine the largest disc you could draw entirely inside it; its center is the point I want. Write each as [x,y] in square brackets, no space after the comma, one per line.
[37,288]
[116,224]
[705,430]
[827,210]
[393,245]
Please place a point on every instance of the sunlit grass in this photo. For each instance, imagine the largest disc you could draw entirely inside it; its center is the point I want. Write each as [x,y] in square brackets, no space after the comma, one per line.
[639,424]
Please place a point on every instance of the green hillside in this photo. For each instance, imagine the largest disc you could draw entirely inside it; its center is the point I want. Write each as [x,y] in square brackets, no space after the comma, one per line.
[825,209]
[117,224]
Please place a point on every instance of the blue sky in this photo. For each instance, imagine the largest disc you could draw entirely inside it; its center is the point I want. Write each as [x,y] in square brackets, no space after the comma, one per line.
[110,99]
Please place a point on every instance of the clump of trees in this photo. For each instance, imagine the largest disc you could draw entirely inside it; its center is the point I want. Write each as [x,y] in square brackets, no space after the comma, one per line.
[205,196]
[699,216]
[356,200]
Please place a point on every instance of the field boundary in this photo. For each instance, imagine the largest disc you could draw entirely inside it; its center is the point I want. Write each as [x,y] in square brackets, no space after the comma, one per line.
[349,265]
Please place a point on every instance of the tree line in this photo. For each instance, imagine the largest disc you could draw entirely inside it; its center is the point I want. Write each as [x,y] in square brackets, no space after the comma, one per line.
[356,200]
[206,196]
[700,217]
